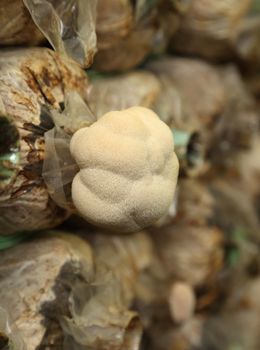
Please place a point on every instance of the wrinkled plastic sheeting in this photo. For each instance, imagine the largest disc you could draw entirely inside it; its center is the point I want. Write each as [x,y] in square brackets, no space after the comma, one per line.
[58,279]
[59,168]
[9,338]
[69,26]
[100,318]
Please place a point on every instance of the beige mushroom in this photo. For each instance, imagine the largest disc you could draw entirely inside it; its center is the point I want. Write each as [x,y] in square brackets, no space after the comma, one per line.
[182,302]
[128,170]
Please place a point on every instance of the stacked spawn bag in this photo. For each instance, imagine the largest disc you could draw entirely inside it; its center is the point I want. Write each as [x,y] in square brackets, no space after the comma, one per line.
[69,26]
[56,294]
[209,254]
[129,31]
[209,29]
[226,119]
[210,241]
[189,249]
[72,291]
[126,31]
[210,227]
[189,272]
[33,81]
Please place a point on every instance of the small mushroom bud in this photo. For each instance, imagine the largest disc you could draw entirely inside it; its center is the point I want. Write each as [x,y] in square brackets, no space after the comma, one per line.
[182,302]
[128,170]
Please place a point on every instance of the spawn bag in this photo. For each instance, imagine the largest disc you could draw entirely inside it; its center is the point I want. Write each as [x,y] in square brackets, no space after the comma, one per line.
[101,318]
[33,283]
[32,82]
[209,28]
[122,91]
[67,291]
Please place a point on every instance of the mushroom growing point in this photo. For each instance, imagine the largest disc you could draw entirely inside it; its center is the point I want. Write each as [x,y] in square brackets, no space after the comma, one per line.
[128,170]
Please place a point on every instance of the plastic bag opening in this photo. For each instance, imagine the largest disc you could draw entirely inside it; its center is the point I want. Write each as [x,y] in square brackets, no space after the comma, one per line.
[59,168]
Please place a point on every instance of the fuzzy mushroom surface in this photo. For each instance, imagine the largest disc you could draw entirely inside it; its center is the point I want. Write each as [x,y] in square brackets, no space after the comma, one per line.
[128,170]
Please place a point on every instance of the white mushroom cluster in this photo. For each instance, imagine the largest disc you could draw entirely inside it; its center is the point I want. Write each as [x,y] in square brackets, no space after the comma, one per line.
[128,170]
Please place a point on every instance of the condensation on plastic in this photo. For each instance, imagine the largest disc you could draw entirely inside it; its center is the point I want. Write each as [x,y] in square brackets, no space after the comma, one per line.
[59,168]
[9,337]
[69,26]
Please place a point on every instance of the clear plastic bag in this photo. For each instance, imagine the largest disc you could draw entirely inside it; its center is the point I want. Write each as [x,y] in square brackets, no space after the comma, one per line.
[68,25]
[59,287]
[100,315]
[98,311]
[59,168]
